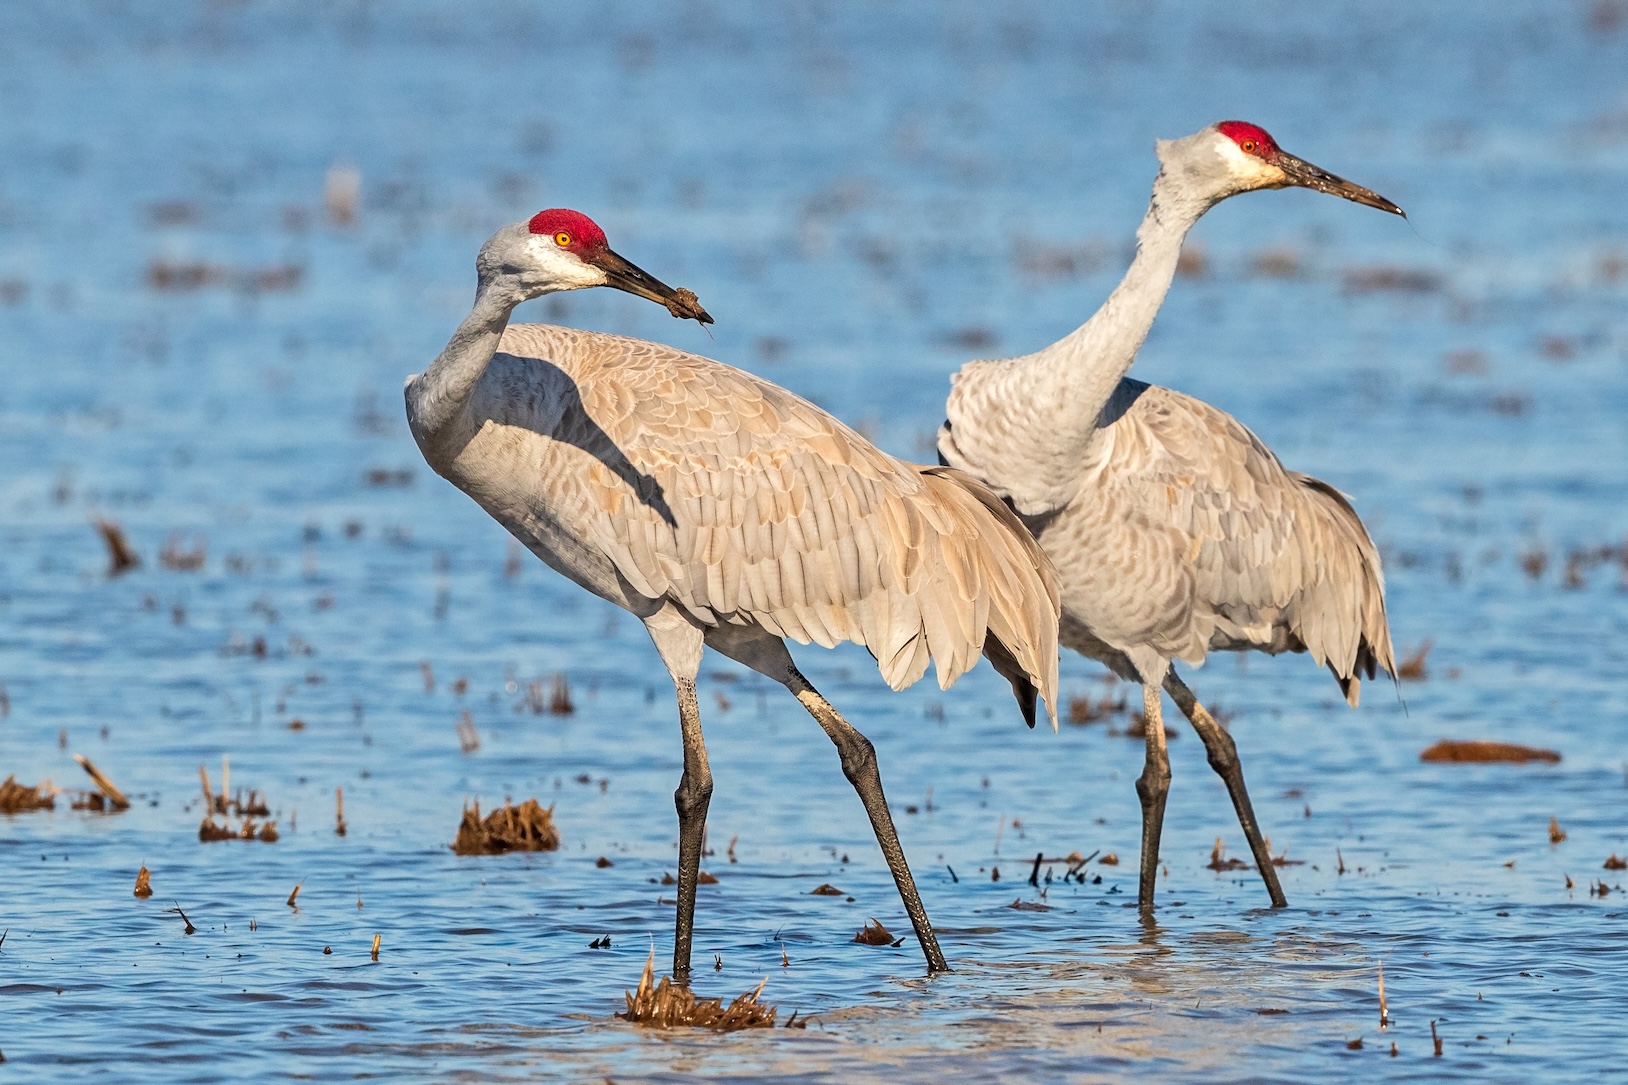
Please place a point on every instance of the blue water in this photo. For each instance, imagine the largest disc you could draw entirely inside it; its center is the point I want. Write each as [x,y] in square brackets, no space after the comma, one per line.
[861,198]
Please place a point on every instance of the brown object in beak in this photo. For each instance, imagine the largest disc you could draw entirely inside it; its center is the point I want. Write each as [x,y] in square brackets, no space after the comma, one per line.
[686,306]
[623,275]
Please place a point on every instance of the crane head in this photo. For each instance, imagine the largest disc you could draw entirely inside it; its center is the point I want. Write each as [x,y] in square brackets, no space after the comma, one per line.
[1254,160]
[559,249]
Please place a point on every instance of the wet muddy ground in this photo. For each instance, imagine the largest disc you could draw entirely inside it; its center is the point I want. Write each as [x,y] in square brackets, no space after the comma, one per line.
[228,231]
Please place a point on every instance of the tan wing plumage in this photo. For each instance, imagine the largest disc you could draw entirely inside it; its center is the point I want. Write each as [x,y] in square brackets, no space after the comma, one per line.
[1252,555]
[743,503]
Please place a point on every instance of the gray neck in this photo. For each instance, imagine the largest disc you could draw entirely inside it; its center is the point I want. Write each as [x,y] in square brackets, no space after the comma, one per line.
[1079,372]
[437,397]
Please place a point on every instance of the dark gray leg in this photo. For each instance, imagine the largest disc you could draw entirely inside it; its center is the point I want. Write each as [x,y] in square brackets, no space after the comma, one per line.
[1223,754]
[1152,787]
[691,799]
[859,765]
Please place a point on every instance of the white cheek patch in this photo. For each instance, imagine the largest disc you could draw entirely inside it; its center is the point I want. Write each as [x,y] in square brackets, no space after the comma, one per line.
[1248,169]
[562,267]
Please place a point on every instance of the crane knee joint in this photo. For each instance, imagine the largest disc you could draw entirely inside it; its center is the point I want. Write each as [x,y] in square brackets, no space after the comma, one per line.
[692,798]
[858,758]
[1154,782]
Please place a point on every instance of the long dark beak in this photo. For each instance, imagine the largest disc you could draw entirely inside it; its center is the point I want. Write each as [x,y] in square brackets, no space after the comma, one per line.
[624,276]
[1300,172]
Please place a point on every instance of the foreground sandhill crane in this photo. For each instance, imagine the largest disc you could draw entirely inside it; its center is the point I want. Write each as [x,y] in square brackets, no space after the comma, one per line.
[1174,530]
[724,511]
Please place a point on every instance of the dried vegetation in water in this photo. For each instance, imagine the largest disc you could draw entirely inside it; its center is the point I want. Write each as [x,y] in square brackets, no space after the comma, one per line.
[243,806]
[1220,860]
[1478,751]
[1412,668]
[874,934]
[18,798]
[173,557]
[527,827]
[121,556]
[1083,711]
[552,697]
[105,788]
[667,1005]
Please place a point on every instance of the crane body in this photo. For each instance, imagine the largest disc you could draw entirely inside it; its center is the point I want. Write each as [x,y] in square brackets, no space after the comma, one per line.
[1174,530]
[726,512]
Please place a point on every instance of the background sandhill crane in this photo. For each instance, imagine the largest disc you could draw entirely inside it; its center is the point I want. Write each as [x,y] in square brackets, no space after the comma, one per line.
[1174,530]
[723,510]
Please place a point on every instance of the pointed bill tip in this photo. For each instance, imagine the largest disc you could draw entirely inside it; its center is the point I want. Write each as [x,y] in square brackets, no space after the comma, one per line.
[1297,171]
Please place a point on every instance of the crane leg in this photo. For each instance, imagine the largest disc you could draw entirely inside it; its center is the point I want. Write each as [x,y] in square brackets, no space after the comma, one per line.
[859,765]
[691,799]
[1223,756]
[1152,787]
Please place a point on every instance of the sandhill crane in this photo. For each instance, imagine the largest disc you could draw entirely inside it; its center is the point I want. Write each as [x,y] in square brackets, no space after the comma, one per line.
[1174,530]
[724,511]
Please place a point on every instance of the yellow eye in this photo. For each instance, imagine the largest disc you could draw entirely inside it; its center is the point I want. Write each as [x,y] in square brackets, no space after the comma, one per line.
[1248,145]
[562,239]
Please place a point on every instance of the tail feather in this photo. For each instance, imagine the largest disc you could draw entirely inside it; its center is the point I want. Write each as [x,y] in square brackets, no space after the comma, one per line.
[1362,607]
[1020,639]
[1007,666]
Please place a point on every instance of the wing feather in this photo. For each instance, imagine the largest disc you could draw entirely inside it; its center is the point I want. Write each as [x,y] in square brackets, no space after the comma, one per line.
[740,502]
[1222,546]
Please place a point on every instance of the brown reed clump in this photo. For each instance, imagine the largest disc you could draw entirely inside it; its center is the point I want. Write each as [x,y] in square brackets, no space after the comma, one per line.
[1413,667]
[114,796]
[874,934]
[559,695]
[244,806]
[121,556]
[18,798]
[1138,728]
[209,831]
[552,697]
[1373,280]
[1478,751]
[527,827]
[1220,860]
[468,737]
[189,560]
[1616,862]
[668,1005]
[1083,711]
[144,883]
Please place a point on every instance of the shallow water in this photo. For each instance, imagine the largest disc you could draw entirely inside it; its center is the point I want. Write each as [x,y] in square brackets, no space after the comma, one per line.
[863,202]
